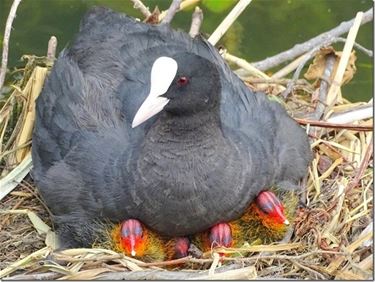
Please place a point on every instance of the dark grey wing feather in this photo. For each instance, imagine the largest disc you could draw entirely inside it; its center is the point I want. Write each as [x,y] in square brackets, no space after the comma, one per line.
[279,145]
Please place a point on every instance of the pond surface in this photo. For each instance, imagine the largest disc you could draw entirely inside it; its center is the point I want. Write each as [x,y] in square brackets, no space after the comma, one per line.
[265,28]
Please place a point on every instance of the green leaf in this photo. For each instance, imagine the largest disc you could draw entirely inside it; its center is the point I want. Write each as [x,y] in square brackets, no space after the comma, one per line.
[218,6]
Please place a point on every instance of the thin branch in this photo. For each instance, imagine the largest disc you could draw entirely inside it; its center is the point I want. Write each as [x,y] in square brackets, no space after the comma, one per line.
[228,21]
[296,74]
[356,113]
[8,27]
[309,270]
[356,45]
[334,125]
[332,93]
[293,65]
[363,166]
[36,276]
[196,22]
[167,262]
[283,81]
[299,49]
[159,274]
[142,8]
[244,65]
[184,5]
[173,9]
[289,68]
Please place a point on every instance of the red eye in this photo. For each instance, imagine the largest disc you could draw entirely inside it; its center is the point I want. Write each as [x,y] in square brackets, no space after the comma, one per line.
[183,80]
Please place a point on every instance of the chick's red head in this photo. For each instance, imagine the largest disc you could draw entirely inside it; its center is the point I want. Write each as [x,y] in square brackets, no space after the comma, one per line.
[221,236]
[271,210]
[132,237]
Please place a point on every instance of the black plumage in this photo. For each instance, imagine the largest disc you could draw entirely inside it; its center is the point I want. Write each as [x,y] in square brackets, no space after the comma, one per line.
[198,162]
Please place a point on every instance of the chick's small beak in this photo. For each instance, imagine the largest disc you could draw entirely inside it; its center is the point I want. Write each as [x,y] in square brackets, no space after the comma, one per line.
[132,245]
[269,204]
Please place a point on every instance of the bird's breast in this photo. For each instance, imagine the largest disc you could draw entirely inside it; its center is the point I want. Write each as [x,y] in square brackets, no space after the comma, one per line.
[188,185]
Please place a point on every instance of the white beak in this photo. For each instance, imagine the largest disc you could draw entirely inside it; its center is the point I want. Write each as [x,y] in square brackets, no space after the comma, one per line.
[163,72]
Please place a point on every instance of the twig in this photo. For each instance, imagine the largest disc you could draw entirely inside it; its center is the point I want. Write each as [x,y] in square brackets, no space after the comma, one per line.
[42,253]
[289,68]
[282,257]
[311,271]
[173,9]
[51,50]
[356,45]
[323,89]
[14,149]
[196,22]
[142,8]
[167,262]
[362,167]
[293,65]
[184,4]
[282,81]
[37,276]
[334,125]
[11,180]
[299,49]
[360,113]
[29,187]
[244,65]
[243,273]
[333,91]
[228,21]
[158,274]
[296,74]
[8,27]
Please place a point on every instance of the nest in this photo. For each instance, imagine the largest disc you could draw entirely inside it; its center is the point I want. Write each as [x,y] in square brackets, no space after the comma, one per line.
[330,238]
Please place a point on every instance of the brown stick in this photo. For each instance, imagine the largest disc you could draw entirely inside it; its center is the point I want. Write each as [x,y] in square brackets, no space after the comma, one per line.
[362,167]
[196,22]
[299,49]
[8,28]
[334,125]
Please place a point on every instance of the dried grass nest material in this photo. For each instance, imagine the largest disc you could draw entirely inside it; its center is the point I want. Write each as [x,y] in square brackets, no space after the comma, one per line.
[331,237]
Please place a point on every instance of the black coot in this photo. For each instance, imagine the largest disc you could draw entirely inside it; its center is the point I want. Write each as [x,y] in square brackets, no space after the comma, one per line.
[141,121]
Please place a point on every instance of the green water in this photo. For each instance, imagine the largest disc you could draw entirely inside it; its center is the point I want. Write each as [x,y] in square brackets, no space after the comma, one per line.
[265,28]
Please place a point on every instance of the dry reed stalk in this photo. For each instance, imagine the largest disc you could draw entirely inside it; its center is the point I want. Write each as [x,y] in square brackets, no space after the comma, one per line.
[31,92]
[333,93]
[228,21]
